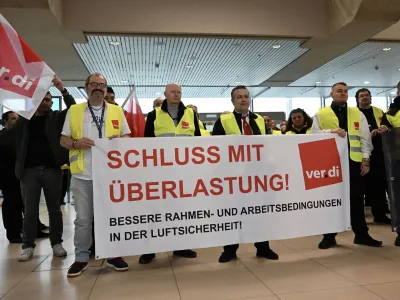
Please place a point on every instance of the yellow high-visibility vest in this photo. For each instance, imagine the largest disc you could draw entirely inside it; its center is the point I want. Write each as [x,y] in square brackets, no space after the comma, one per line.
[113,126]
[292,132]
[165,126]
[205,132]
[328,120]
[394,120]
[276,132]
[378,114]
[230,125]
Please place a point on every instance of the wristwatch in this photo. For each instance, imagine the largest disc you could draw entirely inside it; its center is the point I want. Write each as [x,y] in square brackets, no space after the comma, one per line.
[366,161]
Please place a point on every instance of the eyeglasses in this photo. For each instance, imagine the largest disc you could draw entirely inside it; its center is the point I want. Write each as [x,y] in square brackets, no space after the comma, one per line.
[95,85]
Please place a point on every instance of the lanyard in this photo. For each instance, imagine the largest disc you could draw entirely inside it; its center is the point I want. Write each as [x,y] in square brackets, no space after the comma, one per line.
[99,126]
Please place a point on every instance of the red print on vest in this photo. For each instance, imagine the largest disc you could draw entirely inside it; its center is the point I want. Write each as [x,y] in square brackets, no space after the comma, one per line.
[185,125]
[357,125]
[115,124]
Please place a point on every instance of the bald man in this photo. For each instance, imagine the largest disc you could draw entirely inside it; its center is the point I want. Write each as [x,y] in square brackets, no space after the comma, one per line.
[173,118]
[158,102]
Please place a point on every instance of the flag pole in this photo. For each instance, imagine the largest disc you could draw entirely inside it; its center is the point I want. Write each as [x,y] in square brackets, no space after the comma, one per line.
[129,95]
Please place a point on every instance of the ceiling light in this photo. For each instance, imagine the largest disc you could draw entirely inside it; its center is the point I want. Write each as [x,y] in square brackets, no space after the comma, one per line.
[124,81]
[276,46]
[393,93]
[158,94]
[318,82]
[115,43]
[366,82]
[387,49]
[236,45]
[237,82]
[189,66]
[160,43]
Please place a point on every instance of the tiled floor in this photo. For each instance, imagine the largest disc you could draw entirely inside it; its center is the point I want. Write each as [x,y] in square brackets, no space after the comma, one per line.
[303,272]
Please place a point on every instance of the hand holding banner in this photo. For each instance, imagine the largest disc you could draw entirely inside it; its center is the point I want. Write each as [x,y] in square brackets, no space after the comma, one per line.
[24,77]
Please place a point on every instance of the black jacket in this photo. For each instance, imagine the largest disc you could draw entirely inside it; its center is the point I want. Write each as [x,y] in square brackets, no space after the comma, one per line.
[393,109]
[219,129]
[18,137]
[151,117]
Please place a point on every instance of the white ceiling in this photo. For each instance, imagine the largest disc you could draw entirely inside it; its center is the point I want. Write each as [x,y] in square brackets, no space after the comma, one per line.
[218,64]
[205,67]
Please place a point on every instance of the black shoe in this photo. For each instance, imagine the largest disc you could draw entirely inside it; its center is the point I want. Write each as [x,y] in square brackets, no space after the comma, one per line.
[383,220]
[77,269]
[397,241]
[327,243]
[42,235]
[16,240]
[366,240]
[268,254]
[44,227]
[226,257]
[185,253]
[118,264]
[146,258]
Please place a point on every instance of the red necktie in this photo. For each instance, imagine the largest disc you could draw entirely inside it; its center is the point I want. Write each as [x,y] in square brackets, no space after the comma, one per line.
[246,127]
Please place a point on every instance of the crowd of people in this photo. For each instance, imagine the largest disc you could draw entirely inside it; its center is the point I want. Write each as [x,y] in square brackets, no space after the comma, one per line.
[32,153]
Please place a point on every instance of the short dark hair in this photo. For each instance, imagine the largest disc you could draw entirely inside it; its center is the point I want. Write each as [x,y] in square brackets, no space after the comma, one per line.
[239,87]
[5,117]
[361,91]
[110,90]
[94,74]
[339,83]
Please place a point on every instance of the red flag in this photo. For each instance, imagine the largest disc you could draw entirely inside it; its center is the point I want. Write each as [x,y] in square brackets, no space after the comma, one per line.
[134,115]
[24,77]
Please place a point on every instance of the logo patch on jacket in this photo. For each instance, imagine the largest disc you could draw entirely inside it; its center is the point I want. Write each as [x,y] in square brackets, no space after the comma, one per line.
[356,125]
[115,124]
[185,125]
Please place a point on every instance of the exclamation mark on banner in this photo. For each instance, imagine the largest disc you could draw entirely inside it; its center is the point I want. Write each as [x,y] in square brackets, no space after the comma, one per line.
[287,181]
[240,223]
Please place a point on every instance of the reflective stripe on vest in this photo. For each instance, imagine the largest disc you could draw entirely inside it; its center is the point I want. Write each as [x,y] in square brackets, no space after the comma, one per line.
[292,132]
[378,114]
[394,120]
[328,120]
[113,126]
[231,127]
[164,125]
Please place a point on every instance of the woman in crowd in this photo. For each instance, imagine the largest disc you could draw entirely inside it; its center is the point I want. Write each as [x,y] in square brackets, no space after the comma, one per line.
[299,122]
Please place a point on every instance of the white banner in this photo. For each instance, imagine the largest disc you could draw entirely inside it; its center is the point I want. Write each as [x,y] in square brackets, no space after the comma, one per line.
[163,194]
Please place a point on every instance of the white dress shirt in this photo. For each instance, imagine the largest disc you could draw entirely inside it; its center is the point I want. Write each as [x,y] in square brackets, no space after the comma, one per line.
[247,120]
[365,135]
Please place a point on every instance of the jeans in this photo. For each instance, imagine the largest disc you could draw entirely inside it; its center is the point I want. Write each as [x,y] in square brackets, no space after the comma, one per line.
[32,182]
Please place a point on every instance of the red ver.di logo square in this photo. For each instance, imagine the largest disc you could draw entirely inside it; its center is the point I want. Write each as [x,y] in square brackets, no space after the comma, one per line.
[321,165]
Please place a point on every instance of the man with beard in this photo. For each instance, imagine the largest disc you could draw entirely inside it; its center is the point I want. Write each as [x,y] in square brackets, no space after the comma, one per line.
[85,123]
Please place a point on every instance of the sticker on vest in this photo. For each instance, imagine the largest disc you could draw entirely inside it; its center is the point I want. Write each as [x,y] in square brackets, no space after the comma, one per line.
[357,125]
[115,124]
[185,125]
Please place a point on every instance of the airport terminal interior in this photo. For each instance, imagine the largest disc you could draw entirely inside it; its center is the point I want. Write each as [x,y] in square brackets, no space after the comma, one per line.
[288,53]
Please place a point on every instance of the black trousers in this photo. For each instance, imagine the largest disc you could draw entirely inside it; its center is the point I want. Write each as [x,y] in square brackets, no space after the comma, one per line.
[357,213]
[66,179]
[376,186]
[231,249]
[32,182]
[12,210]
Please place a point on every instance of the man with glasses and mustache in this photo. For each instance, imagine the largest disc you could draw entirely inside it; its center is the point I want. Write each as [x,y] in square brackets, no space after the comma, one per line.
[84,124]
[39,158]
